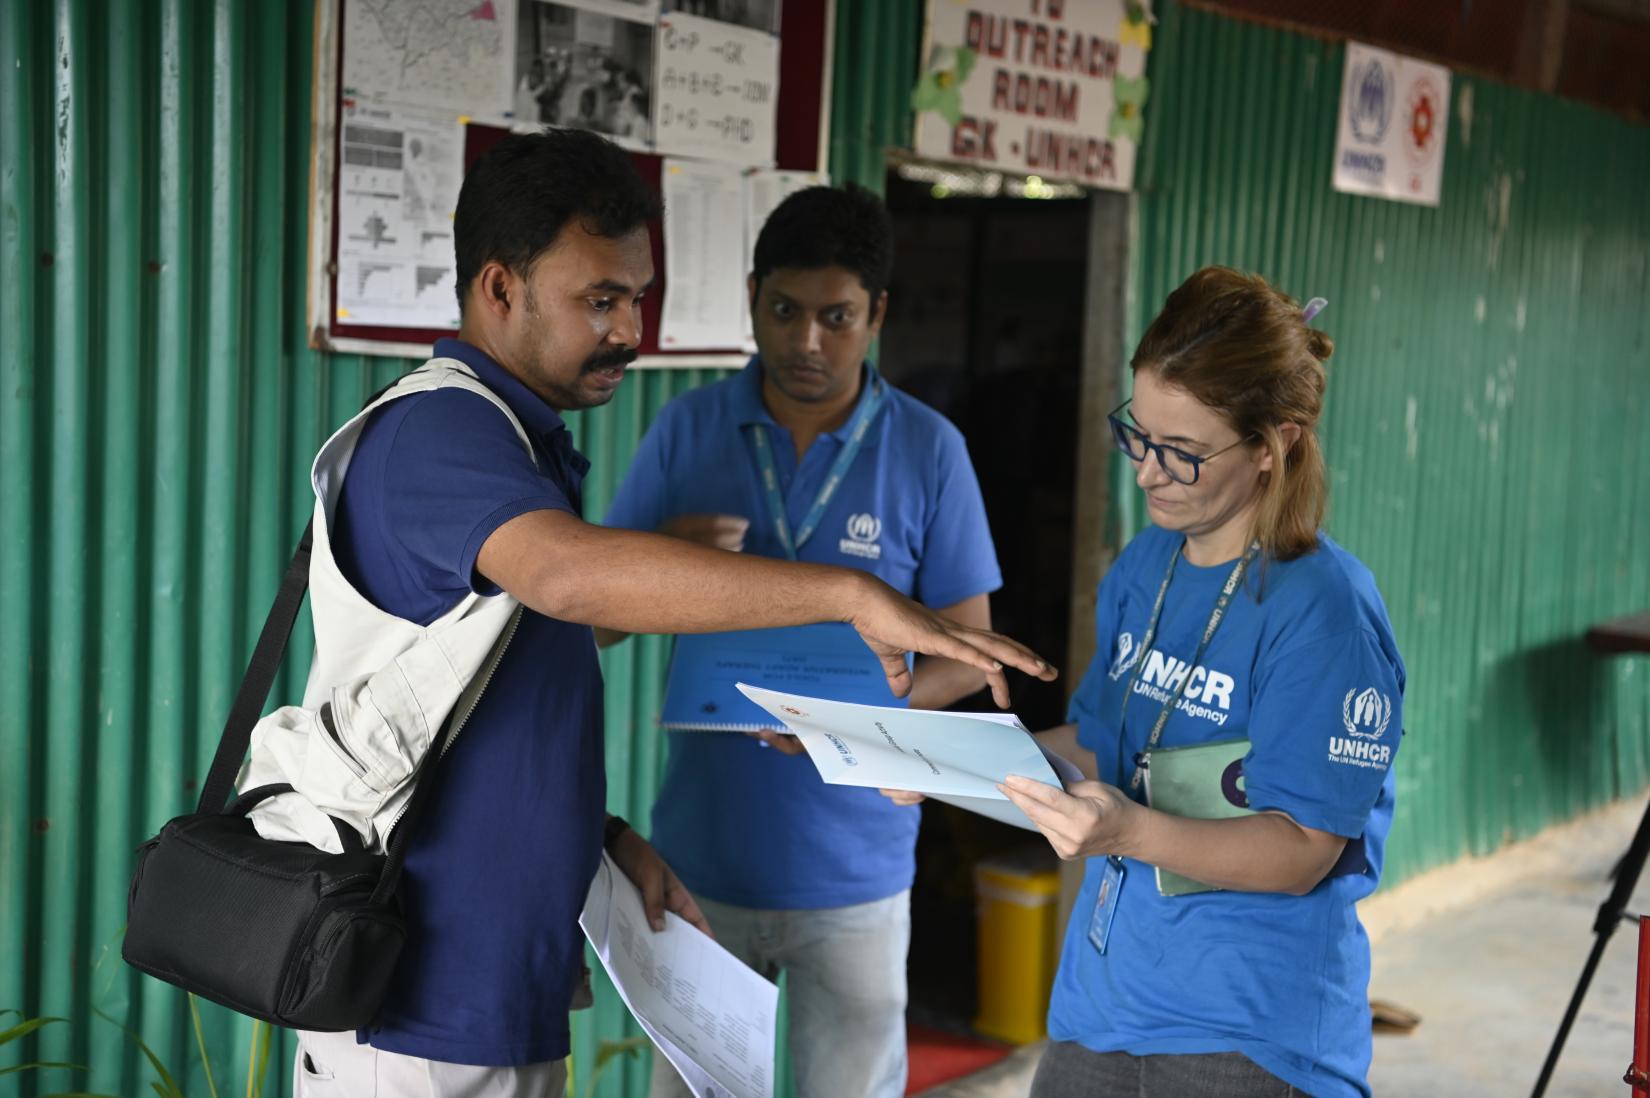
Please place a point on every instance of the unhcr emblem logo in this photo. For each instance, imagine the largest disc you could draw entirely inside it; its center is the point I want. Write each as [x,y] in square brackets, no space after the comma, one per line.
[1366,715]
[864,527]
[1369,101]
[1126,656]
[863,531]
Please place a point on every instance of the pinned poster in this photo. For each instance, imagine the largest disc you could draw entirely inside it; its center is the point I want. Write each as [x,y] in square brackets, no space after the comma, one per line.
[704,303]
[765,189]
[1394,121]
[399,172]
[1052,88]
[717,90]
[441,54]
[587,65]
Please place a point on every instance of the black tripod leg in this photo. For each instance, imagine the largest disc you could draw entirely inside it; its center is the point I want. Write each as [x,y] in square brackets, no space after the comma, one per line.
[1609,917]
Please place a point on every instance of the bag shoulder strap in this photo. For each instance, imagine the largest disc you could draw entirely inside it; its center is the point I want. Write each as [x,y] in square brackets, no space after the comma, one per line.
[259,679]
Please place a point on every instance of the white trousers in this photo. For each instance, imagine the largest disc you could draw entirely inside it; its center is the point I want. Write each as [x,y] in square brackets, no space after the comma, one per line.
[332,1065]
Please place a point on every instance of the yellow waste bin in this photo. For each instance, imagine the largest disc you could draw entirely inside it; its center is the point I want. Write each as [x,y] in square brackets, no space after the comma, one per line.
[1017,896]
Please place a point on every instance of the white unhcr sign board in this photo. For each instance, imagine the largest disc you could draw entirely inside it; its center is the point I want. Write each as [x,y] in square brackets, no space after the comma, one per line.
[1052,88]
[1394,121]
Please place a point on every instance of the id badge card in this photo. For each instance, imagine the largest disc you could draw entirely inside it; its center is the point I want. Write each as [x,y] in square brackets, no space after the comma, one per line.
[1105,904]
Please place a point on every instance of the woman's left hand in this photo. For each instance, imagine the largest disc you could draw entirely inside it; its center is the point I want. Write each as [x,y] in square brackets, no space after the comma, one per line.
[1093,819]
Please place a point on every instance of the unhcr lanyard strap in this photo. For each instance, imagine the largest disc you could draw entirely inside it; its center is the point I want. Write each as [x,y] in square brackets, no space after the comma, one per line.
[763,442]
[1221,604]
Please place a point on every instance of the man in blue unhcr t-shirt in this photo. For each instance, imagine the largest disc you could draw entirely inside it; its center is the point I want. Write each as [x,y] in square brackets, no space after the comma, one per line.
[795,875]
[441,498]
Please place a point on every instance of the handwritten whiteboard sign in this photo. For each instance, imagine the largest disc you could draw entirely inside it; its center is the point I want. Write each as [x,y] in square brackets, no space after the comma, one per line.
[1052,88]
[717,89]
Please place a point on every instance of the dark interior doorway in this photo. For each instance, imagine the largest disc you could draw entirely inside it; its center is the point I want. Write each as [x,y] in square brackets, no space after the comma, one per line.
[986,325]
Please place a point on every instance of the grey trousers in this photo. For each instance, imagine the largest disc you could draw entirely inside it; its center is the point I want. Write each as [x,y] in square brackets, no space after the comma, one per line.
[1068,1070]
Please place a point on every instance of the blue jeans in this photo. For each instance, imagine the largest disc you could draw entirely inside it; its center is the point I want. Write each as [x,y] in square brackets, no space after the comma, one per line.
[1068,1070]
[844,986]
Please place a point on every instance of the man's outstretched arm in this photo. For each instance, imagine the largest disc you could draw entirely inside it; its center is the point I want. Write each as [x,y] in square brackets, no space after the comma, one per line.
[569,569]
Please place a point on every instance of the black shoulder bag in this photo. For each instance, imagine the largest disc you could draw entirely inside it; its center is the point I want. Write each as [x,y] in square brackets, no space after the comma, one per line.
[281,931]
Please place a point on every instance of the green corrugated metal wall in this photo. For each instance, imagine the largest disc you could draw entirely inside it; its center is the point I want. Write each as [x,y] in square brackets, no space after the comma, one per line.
[1487,401]
[158,411]
[873,71]
[159,407]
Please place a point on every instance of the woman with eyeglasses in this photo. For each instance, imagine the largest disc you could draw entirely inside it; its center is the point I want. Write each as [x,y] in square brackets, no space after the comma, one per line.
[1237,726]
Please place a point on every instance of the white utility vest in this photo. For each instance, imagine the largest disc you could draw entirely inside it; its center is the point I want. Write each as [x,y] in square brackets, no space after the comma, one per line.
[389,683]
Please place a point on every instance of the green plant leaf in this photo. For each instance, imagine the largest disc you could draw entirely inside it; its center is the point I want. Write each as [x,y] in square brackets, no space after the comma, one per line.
[23,1029]
[171,1089]
[200,1042]
[42,1065]
[75,1094]
[111,973]
[607,1052]
[258,1068]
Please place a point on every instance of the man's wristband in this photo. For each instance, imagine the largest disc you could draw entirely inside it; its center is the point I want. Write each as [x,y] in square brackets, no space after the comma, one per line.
[616,826]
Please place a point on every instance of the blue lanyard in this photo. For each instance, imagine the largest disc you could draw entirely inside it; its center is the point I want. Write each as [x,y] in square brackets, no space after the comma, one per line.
[1221,604]
[763,443]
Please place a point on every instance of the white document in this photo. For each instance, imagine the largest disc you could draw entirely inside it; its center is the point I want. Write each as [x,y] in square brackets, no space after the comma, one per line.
[705,270]
[714,1018]
[717,88]
[399,171]
[954,757]
[765,189]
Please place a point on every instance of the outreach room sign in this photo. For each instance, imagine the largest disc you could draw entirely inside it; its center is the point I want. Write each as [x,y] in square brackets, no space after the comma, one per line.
[1052,88]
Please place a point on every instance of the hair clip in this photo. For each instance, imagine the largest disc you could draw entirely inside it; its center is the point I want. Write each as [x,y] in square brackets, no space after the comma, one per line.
[1313,308]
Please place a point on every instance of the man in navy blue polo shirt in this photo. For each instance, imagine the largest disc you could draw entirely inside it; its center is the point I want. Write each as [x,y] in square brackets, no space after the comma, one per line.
[794,874]
[441,498]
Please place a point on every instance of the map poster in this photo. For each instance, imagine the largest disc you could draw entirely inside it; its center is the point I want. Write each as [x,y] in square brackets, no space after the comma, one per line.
[447,54]
[399,171]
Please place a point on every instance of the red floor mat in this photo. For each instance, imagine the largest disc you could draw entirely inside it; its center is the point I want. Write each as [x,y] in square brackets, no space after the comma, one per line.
[938,1057]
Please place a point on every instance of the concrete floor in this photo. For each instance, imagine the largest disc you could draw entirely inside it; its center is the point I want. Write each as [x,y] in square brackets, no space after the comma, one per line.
[1491,979]
[1487,952]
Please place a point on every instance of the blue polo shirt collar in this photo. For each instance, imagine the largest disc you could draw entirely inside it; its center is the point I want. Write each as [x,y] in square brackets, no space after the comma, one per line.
[748,406]
[539,418]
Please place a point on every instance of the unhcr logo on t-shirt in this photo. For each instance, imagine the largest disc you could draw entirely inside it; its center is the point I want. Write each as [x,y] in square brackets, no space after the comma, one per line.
[1365,716]
[1127,653]
[1208,693]
[863,531]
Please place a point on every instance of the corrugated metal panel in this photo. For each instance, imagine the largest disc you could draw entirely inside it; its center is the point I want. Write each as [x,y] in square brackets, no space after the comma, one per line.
[158,411]
[873,72]
[1485,421]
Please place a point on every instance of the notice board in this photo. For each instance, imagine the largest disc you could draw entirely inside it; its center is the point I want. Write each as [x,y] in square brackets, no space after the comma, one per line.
[430,85]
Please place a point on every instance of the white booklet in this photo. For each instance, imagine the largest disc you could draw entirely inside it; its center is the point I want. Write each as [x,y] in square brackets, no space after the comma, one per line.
[712,1017]
[954,757]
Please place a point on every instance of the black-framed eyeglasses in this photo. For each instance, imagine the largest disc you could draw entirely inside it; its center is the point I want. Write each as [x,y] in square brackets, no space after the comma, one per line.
[1182,468]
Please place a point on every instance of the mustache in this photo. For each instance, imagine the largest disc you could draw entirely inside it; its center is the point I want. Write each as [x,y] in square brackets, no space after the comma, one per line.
[605,360]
